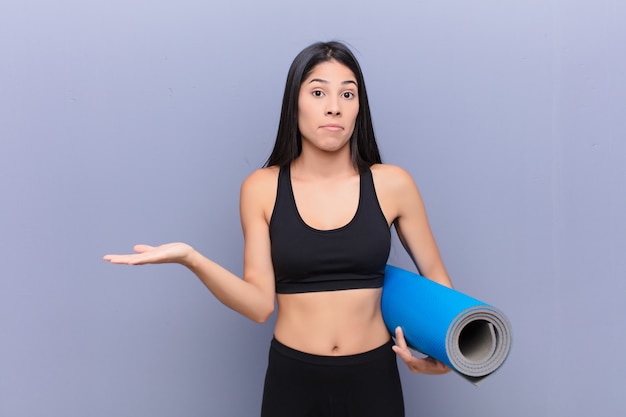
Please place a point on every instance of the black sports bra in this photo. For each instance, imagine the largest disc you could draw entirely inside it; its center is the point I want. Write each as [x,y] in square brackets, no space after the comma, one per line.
[311,260]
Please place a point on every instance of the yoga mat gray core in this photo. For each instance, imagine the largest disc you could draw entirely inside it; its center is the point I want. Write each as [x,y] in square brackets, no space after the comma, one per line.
[477,341]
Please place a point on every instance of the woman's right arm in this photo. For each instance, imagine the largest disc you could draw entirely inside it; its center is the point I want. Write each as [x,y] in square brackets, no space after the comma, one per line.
[253,296]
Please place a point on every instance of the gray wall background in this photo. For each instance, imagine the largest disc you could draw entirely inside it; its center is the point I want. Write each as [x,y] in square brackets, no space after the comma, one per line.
[126,122]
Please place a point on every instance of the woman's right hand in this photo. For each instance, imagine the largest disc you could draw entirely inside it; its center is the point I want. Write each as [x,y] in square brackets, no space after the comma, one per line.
[146,254]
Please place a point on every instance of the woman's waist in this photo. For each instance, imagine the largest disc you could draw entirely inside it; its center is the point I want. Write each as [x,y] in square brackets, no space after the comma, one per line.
[377,353]
[334,324]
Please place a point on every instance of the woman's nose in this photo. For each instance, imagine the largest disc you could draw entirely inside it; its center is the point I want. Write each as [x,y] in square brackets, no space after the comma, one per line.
[333,108]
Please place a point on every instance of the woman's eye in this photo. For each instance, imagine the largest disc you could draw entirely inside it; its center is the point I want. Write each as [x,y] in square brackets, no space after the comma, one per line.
[348,94]
[317,93]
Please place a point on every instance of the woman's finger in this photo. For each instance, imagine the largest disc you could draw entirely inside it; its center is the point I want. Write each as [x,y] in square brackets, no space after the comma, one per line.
[401,347]
[400,341]
[141,248]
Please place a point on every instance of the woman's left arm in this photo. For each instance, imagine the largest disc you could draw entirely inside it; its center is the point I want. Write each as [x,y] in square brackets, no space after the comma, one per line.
[414,230]
[402,199]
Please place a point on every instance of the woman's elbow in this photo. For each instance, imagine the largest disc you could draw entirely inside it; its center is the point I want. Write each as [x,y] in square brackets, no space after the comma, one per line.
[263,314]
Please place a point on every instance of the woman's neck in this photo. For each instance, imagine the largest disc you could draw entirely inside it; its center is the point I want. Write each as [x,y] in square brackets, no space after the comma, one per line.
[326,168]
[318,163]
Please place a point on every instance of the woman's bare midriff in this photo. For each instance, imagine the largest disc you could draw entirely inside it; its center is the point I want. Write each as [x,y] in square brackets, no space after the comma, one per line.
[331,323]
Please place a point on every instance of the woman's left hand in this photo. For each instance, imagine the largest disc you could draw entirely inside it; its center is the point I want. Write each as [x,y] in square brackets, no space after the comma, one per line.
[427,365]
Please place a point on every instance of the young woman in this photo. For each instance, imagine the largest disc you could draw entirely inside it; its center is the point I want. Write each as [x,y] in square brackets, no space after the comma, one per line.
[316,222]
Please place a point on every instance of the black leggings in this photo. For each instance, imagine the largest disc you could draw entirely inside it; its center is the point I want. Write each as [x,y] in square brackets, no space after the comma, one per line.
[299,384]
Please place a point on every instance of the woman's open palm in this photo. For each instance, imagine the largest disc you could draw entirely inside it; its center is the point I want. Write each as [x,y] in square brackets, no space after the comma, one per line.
[146,254]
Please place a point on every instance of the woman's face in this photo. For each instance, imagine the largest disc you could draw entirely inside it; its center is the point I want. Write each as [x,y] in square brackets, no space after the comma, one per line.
[328,105]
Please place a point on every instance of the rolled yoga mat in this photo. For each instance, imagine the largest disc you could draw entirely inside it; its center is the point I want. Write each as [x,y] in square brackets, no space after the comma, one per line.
[471,337]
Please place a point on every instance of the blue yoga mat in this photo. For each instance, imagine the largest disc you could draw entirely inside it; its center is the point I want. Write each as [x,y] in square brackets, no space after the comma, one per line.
[471,337]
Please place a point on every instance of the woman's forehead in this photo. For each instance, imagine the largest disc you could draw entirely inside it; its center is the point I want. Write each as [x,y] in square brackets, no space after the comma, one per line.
[331,72]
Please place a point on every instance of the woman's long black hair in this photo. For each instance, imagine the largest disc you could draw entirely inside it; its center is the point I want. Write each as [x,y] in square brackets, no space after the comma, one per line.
[288,145]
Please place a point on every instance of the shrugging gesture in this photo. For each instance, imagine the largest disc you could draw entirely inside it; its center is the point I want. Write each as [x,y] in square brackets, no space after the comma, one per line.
[316,222]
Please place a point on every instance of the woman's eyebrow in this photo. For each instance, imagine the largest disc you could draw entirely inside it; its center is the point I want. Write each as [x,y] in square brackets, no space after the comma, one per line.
[320,80]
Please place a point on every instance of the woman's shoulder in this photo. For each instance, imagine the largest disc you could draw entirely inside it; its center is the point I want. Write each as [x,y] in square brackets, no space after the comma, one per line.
[262,177]
[260,186]
[392,177]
